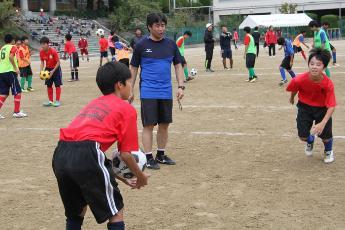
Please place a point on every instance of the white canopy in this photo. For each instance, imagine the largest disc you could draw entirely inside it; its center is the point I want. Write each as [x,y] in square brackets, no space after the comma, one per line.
[276,20]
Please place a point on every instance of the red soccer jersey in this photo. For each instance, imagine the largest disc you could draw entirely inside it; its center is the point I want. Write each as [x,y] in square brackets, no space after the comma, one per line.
[82,44]
[70,48]
[106,119]
[318,94]
[246,40]
[14,50]
[50,57]
[103,44]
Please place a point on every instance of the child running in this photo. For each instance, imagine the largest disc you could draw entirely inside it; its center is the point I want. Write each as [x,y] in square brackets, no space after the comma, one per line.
[287,61]
[299,39]
[316,103]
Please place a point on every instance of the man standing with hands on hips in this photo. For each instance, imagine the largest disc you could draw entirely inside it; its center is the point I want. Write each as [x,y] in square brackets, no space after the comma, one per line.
[155,54]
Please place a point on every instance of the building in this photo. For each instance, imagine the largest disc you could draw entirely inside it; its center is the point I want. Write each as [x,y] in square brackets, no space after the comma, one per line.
[245,7]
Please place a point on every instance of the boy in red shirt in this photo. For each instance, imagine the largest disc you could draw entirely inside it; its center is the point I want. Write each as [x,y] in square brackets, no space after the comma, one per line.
[103,48]
[50,61]
[73,57]
[271,40]
[84,174]
[83,45]
[316,103]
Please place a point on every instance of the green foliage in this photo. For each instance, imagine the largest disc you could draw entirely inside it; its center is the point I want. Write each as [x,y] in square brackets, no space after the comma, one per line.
[332,19]
[287,8]
[312,15]
[6,11]
[231,21]
[92,14]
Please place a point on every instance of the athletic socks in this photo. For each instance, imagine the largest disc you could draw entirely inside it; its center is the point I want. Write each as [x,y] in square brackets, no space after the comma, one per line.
[116,226]
[2,101]
[72,74]
[17,103]
[328,145]
[74,223]
[292,73]
[251,73]
[30,81]
[310,139]
[334,55]
[22,82]
[160,152]
[76,74]
[50,93]
[282,73]
[185,70]
[328,73]
[58,93]
[303,54]
[149,156]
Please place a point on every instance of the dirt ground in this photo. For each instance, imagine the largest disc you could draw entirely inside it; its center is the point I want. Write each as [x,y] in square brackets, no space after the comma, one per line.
[239,165]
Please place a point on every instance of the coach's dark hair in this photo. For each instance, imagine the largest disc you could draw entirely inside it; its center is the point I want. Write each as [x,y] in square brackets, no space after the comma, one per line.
[17,38]
[23,38]
[111,73]
[314,23]
[44,40]
[155,18]
[188,33]
[321,55]
[68,37]
[281,41]
[8,38]
[256,28]
[247,29]
[112,33]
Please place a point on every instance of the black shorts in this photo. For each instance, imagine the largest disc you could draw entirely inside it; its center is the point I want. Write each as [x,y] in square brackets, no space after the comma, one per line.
[305,117]
[125,61]
[25,71]
[74,60]
[112,51]
[156,111]
[250,60]
[56,78]
[332,47]
[209,54]
[286,63]
[85,177]
[297,49]
[183,61]
[9,80]
[227,53]
[104,54]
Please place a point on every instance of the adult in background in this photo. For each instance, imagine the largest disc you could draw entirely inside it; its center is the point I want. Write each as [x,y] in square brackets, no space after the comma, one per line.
[209,46]
[155,54]
[271,40]
[236,38]
[138,36]
[256,35]
[225,46]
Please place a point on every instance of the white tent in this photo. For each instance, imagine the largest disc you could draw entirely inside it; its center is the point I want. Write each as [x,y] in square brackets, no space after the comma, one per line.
[276,20]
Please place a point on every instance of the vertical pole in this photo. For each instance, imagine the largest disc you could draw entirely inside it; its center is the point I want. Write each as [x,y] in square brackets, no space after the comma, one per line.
[209,14]
[169,6]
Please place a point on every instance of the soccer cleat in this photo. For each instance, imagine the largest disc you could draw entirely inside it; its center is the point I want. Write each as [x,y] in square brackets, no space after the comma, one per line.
[19,115]
[211,70]
[226,68]
[252,80]
[56,104]
[308,149]
[329,157]
[164,159]
[152,164]
[282,82]
[2,117]
[30,89]
[48,103]
[335,64]
[24,91]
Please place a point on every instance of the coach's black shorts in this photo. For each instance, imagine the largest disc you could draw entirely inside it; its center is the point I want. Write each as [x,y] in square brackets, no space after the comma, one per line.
[104,54]
[125,61]
[25,71]
[156,111]
[286,63]
[56,78]
[297,49]
[9,80]
[227,53]
[209,54]
[183,61]
[250,60]
[305,117]
[85,177]
[74,60]
[112,51]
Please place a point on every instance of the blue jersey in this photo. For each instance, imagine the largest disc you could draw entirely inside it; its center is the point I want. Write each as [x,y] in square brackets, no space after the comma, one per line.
[155,58]
[288,49]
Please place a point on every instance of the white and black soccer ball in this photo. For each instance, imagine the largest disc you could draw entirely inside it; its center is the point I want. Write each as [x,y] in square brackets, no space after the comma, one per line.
[100,32]
[121,169]
[193,72]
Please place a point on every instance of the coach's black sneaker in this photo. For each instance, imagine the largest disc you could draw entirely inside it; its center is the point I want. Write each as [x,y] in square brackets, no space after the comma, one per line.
[164,159]
[152,164]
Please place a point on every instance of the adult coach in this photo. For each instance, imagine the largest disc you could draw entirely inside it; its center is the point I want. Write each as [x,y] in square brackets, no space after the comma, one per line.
[154,54]
[209,46]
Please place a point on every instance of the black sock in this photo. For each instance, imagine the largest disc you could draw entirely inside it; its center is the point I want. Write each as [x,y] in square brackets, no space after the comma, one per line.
[76,74]
[116,226]
[149,156]
[72,74]
[160,152]
[74,223]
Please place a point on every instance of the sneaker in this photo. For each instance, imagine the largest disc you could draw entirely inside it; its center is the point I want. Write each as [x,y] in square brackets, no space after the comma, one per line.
[335,64]
[207,70]
[248,80]
[152,164]
[211,70]
[70,80]
[189,78]
[24,91]
[329,157]
[56,104]
[2,117]
[308,149]
[164,159]
[252,80]
[19,115]
[30,89]
[48,103]
[282,82]
[226,68]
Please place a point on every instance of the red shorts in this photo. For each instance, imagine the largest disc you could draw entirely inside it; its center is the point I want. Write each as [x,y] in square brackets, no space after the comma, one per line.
[84,51]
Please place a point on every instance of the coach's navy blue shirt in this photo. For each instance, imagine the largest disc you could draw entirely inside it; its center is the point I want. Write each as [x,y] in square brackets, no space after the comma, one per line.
[155,58]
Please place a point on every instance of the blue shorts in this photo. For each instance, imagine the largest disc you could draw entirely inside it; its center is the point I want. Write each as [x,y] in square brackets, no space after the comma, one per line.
[56,78]
[227,53]
[9,81]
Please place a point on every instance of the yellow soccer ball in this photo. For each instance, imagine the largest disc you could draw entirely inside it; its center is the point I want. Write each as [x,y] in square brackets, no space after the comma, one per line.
[44,75]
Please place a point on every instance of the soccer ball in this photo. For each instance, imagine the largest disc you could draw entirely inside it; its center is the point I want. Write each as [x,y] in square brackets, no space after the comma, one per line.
[193,72]
[100,32]
[44,75]
[121,169]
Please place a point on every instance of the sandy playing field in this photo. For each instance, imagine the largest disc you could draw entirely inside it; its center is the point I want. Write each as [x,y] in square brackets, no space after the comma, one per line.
[239,165]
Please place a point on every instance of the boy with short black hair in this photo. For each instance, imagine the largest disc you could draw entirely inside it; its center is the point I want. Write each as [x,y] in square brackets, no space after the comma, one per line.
[316,103]
[249,54]
[225,47]
[256,35]
[297,44]
[73,57]
[50,62]
[24,65]
[180,44]
[84,174]
[287,61]
[103,48]
[8,76]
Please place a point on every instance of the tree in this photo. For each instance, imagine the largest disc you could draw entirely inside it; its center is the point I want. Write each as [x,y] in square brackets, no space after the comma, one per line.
[6,11]
[287,8]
